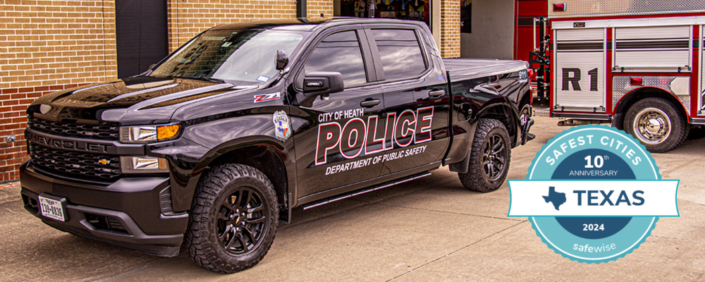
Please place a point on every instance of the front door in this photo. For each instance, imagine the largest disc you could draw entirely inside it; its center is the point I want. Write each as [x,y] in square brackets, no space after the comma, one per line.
[336,148]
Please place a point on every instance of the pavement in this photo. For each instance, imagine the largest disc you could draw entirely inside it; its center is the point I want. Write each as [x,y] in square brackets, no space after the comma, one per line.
[431,229]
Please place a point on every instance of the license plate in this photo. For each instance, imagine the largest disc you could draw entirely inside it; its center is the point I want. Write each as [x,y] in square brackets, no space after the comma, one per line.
[52,208]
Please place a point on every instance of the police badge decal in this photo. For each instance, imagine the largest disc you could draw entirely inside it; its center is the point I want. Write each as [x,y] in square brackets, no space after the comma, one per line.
[282,125]
[593,194]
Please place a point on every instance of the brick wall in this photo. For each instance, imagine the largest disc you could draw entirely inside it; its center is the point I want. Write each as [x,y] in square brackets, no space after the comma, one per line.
[314,8]
[187,18]
[47,46]
[450,28]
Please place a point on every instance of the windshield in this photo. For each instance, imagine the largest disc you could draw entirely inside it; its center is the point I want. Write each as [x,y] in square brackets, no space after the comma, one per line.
[242,55]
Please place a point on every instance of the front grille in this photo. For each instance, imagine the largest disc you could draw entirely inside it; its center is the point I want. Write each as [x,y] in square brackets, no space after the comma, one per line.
[103,131]
[75,164]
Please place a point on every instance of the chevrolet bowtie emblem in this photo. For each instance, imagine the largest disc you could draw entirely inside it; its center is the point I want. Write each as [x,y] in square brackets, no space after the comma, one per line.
[103,161]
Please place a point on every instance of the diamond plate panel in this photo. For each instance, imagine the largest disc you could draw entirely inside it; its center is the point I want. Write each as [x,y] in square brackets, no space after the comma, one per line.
[598,8]
[621,86]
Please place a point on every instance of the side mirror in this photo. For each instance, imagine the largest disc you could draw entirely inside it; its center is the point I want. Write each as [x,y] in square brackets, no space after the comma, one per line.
[282,60]
[149,70]
[323,83]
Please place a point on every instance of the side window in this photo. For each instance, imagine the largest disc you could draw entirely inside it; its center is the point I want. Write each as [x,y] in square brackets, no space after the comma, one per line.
[339,52]
[400,52]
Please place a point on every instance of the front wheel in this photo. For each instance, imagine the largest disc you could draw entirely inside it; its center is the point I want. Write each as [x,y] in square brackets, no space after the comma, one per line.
[489,159]
[233,219]
[657,124]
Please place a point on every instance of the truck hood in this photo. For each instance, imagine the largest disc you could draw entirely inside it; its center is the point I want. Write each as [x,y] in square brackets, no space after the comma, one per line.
[155,98]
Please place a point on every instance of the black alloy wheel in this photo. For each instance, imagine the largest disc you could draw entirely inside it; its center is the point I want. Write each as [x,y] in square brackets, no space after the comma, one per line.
[241,221]
[494,157]
[490,156]
[233,219]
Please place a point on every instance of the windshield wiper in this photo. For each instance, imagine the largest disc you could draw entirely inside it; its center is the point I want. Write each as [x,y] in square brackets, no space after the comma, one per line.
[218,80]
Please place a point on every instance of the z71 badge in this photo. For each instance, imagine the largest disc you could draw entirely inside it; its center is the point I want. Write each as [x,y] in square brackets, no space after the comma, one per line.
[282,125]
[267,97]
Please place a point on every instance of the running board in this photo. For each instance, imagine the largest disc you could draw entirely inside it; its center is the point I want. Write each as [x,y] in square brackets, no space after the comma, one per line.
[364,190]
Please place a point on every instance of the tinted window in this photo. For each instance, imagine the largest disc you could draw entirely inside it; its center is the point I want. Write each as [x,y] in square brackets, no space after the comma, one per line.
[400,52]
[339,52]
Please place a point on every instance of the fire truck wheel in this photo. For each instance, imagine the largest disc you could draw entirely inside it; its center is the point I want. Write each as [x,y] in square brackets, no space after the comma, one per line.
[489,159]
[233,219]
[657,124]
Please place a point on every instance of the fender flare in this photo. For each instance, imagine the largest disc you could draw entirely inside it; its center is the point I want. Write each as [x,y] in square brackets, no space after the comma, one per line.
[229,136]
[618,107]
[282,181]
[464,165]
[513,114]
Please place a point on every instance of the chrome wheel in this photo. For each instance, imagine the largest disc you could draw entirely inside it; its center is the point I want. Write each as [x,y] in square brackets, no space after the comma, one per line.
[652,126]
[240,221]
[494,157]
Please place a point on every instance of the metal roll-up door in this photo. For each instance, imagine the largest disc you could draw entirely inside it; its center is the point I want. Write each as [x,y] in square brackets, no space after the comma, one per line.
[579,78]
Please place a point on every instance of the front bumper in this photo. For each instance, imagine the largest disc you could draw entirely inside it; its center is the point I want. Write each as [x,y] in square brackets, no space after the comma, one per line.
[132,212]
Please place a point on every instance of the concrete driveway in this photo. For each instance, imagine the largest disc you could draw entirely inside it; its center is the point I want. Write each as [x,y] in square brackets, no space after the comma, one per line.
[431,229]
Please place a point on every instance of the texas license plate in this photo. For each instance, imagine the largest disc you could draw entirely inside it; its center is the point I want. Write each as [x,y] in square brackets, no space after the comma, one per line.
[52,208]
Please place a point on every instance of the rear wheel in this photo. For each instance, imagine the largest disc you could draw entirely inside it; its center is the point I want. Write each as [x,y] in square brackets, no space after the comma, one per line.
[233,220]
[657,124]
[490,157]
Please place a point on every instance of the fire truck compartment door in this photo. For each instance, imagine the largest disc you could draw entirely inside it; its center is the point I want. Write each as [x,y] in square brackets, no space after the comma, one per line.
[579,76]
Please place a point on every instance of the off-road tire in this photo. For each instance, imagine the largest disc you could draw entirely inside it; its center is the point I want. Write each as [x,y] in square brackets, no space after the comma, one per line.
[476,179]
[678,130]
[202,240]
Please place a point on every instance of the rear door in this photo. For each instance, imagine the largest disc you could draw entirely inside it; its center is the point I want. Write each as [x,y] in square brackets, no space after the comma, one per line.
[415,95]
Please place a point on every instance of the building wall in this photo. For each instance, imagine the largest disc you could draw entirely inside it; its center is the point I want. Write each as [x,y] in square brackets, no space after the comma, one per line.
[450,28]
[314,8]
[187,18]
[47,46]
[492,34]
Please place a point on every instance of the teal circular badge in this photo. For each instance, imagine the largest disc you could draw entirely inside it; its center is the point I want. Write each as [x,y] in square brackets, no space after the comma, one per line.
[597,228]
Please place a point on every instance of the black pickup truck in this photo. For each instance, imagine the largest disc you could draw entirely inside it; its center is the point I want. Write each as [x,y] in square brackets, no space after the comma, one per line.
[218,142]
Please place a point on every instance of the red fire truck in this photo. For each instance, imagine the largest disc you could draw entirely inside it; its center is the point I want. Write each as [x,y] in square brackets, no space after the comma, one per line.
[637,64]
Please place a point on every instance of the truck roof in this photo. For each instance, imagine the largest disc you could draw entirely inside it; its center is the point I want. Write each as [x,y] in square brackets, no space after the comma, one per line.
[308,24]
[464,69]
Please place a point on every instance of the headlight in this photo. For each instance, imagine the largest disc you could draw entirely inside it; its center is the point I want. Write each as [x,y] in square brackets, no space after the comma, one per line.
[148,133]
[131,165]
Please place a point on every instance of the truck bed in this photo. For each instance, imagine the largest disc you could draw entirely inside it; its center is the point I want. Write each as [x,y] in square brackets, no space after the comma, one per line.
[463,69]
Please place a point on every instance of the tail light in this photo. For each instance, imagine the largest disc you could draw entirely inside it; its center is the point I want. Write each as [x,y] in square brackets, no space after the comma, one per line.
[532,74]
[559,7]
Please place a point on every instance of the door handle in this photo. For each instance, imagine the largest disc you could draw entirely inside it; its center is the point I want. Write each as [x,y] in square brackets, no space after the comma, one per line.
[436,93]
[369,103]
